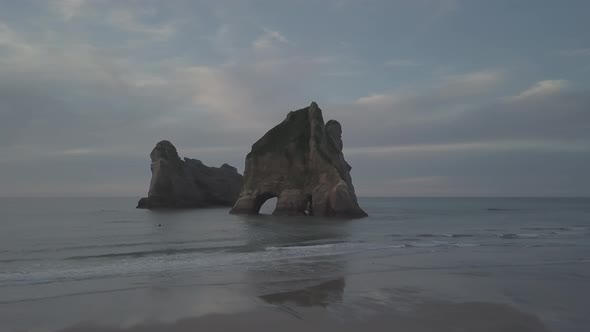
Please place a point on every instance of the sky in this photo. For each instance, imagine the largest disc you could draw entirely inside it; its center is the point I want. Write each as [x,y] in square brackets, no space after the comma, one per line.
[435,97]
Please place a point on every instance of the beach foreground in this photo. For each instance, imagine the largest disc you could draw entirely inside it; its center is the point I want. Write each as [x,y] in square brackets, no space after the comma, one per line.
[425,317]
[413,265]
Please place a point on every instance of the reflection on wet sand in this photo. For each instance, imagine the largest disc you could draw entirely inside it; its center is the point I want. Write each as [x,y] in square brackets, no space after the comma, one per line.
[428,317]
[306,281]
[320,295]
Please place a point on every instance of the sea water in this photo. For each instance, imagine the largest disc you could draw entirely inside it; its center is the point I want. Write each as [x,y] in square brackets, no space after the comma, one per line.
[70,260]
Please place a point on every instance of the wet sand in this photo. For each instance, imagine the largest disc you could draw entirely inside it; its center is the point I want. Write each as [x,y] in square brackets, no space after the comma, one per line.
[320,307]
[440,317]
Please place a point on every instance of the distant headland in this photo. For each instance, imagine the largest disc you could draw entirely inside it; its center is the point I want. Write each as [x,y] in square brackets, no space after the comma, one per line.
[188,183]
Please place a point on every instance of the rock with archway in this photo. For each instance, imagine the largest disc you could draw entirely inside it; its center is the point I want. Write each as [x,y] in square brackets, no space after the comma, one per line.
[300,162]
[188,183]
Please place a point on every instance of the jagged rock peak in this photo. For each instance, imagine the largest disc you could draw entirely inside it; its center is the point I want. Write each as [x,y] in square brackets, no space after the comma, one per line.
[164,150]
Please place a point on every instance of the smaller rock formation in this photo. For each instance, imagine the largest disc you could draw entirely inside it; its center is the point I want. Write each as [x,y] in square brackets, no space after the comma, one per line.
[188,183]
[300,161]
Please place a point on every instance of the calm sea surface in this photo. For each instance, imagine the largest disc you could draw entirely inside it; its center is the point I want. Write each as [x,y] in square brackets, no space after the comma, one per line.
[65,261]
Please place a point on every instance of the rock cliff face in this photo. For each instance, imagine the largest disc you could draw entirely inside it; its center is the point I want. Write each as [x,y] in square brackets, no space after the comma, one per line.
[300,161]
[188,183]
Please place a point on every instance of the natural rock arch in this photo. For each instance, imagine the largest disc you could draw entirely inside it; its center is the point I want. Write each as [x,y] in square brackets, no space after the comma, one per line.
[300,161]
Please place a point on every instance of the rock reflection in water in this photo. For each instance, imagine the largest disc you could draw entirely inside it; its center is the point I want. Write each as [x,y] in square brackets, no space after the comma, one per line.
[320,295]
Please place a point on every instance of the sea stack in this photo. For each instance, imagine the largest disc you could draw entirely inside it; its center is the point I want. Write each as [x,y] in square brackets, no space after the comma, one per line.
[300,162]
[188,183]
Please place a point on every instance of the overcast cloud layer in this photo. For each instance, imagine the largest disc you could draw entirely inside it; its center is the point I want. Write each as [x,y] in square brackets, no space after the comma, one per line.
[436,98]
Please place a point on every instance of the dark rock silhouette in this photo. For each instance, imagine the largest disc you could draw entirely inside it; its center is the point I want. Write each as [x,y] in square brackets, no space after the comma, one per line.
[188,183]
[300,161]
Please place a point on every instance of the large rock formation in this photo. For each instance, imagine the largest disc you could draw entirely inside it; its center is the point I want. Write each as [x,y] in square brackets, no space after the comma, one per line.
[300,161]
[188,183]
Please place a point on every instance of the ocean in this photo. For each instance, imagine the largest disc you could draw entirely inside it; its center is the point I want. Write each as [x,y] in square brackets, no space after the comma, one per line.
[434,264]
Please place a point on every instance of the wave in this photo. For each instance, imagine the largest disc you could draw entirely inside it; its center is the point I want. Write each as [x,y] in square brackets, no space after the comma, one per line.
[116,245]
[519,236]
[502,210]
[161,252]
[466,245]
[121,221]
[395,246]
[199,259]
[554,245]
[446,235]
[436,244]
[546,228]
[149,262]
[14,260]
[309,247]
[103,246]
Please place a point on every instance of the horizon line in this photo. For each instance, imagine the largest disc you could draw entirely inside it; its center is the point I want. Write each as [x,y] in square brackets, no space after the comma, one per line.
[378,196]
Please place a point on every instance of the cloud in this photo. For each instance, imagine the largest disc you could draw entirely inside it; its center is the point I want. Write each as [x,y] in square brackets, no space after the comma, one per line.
[217,90]
[343,73]
[377,100]
[17,46]
[441,96]
[269,39]
[52,93]
[401,63]
[68,8]
[252,92]
[547,115]
[472,82]
[223,42]
[542,89]
[341,3]
[406,187]
[441,7]
[132,20]
[580,52]
[123,16]
[482,146]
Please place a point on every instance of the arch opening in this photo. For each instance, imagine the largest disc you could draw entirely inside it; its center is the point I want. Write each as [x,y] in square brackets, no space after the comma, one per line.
[266,203]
